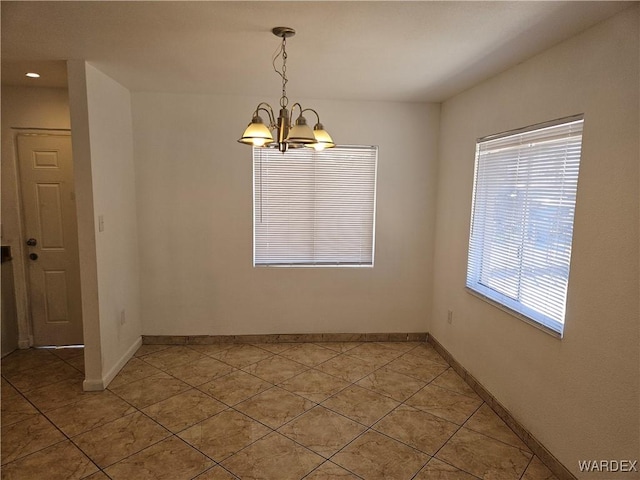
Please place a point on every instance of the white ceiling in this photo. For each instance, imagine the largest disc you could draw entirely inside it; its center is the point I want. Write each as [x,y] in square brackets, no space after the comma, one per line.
[393,50]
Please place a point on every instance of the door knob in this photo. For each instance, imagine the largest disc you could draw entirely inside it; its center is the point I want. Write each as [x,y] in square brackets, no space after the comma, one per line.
[32,242]
[33,256]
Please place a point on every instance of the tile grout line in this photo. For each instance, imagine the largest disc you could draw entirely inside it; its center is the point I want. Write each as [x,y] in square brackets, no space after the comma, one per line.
[527,467]
[232,407]
[352,383]
[449,439]
[307,368]
[172,434]
[332,463]
[137,409]
[535,446]
[410,406]
[44,415]
[368,428]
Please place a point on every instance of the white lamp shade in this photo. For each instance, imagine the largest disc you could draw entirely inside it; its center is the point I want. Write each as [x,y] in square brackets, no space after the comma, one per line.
[256,134]
[300,133]
[323,140]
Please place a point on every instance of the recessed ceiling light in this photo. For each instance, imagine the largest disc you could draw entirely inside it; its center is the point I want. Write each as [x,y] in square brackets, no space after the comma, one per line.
[32,75]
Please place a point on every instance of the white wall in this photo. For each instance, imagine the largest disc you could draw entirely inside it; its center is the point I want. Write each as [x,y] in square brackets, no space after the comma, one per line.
[194,192]
[24,107]
[578,395]
[103,152]
[114,197]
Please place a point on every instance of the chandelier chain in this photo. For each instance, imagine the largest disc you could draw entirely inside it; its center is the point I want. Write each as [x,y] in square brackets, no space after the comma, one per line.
[284,100]
[282,52]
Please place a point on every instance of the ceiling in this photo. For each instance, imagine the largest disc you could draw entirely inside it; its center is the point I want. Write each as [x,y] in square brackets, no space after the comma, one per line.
[357,50]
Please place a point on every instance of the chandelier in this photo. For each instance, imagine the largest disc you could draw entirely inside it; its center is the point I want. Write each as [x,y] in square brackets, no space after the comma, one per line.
[288,135]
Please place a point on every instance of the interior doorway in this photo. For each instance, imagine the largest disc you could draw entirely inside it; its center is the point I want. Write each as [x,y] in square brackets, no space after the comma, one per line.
[50,237]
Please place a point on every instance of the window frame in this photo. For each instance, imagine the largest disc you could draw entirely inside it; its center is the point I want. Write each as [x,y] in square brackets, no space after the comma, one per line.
[475,261]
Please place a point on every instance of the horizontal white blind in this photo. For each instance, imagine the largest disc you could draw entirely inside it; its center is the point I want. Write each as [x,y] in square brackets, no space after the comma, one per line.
[314,208]
[522,220]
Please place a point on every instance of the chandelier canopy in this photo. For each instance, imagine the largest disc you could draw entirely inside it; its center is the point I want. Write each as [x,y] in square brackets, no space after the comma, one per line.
[288,134]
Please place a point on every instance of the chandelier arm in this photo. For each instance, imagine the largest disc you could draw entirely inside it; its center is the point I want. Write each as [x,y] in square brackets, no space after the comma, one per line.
[293,108]
[311,110]
[268,110]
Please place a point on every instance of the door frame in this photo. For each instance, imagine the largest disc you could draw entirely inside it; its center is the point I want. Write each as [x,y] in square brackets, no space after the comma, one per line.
[21,279]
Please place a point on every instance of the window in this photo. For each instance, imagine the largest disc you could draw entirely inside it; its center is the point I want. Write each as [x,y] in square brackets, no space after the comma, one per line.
[314,208]
[524,198]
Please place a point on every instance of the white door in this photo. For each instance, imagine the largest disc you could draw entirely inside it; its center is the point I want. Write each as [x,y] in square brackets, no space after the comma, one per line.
[51,237]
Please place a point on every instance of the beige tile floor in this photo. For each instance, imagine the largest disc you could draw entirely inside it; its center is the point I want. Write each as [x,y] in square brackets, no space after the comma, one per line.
[265,411]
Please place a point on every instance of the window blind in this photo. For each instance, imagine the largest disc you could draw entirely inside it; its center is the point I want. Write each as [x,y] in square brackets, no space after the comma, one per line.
[522,219]
[314,208]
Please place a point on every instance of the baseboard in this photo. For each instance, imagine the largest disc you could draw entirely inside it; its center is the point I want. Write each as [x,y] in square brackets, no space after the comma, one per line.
[283,338]
[556,467]
[101,384]
[93,385]
[111,374]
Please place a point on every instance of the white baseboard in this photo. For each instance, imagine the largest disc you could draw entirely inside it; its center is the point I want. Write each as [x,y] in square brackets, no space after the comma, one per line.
[92,385]
[100,384]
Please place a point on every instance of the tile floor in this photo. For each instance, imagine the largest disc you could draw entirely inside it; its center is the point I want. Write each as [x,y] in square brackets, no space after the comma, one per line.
[263,411]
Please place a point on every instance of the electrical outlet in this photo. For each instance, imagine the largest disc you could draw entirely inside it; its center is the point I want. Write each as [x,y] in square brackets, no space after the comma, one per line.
[101,223]
[122,317]
[450,317]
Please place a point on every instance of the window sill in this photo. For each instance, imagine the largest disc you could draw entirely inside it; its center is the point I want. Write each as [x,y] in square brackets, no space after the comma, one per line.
[515,314]
[312,265]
